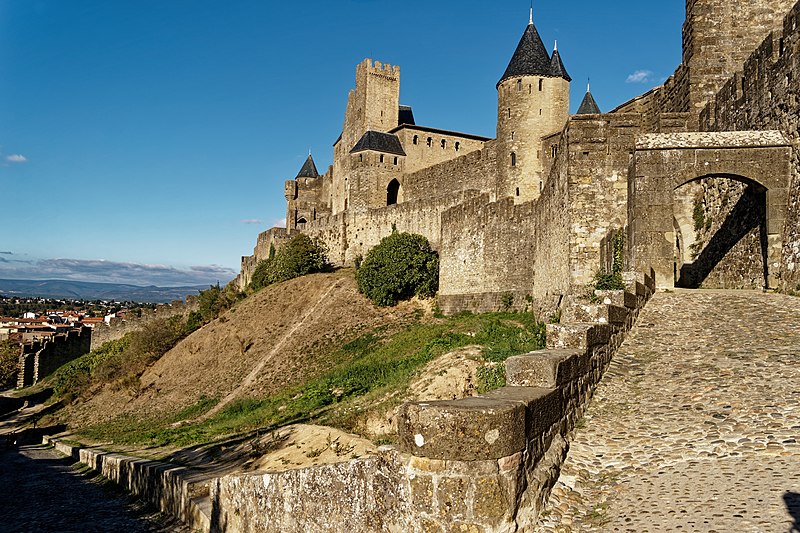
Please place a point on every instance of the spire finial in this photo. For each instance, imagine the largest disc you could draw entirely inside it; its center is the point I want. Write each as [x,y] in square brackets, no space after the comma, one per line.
[588,85]
[555,46]
[531,19]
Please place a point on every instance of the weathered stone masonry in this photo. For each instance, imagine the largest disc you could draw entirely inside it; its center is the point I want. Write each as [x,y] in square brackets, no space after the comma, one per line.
[40,358]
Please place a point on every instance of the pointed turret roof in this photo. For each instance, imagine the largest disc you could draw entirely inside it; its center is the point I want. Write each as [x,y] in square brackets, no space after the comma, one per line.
[588,105]
[557,69]
[309,169]
[530,58]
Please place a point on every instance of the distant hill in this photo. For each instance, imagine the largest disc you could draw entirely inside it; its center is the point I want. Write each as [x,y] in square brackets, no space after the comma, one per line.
[84,290]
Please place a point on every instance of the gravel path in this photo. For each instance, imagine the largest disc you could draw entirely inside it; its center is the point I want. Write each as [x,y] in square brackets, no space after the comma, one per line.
[42,492]
[695,426]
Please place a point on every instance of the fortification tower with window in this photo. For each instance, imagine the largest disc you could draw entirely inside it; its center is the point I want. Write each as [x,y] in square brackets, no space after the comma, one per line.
[532,102]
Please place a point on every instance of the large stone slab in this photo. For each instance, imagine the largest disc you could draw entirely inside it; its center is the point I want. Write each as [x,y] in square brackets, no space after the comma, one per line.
[543,368]
[578,336]
[472,429]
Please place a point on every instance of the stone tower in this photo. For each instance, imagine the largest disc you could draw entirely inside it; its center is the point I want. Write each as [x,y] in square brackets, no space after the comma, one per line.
[718,36]
[532,102]
[373,106]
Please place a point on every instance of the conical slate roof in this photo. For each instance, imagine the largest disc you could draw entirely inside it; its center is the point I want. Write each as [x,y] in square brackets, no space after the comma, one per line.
[530,58]
[588,106]
[557,69]
[309,169]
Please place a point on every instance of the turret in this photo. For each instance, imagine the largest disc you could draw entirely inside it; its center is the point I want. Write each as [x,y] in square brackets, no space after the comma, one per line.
[588,105]
[533,102]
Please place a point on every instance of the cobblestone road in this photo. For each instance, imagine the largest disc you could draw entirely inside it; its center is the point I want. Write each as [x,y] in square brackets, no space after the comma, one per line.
[695,426]
[41,492]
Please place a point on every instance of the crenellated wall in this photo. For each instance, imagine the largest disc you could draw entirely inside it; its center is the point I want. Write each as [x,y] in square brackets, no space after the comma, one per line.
[102,333]
[39,359]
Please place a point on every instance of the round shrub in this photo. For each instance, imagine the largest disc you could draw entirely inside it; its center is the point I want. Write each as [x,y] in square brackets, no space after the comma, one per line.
[401,266]
[298,257]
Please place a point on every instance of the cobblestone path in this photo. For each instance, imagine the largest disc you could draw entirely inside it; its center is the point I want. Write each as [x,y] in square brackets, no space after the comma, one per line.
[41,492]
[696,424]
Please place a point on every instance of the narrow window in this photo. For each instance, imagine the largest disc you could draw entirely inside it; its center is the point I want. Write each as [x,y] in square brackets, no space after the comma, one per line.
[540,112]
[554,150]
[541,84]
[513,159]
[444,144]
[360,158]
[381,158]
[509,112]
[517,191]
[512,135]
[345,204]
[530,89]
[519,85]
[395,160]
[458,145]
[392,192]
[416,138]
[430,141]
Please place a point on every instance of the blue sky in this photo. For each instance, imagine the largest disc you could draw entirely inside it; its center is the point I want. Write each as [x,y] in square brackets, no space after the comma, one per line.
[147,141]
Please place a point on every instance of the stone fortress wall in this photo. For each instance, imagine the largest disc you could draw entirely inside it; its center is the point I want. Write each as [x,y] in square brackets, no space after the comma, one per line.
[547,240]
[40,358]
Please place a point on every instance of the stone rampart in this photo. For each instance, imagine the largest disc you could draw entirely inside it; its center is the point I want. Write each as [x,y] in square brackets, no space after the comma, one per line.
[764,95]
[486,463]
[474,171]
[40,358]
[102,333]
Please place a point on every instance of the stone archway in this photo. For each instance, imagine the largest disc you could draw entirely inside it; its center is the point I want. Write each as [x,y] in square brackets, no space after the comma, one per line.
[663,162]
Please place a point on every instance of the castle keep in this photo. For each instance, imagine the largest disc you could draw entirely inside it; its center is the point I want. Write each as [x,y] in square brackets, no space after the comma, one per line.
[698,174]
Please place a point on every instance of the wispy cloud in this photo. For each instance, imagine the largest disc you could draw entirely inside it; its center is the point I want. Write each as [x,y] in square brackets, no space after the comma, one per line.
[640,76]
[279,223]
[6,253]
[115,272]
[16,158]
[251,221]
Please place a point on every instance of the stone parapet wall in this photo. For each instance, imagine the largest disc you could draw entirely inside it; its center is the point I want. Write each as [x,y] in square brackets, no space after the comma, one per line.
[41,358]
[485,463]
[174,490]
[118,328]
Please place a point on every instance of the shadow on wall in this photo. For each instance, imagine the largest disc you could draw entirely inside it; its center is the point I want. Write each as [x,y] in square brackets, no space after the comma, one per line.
[750,212]
[792,500]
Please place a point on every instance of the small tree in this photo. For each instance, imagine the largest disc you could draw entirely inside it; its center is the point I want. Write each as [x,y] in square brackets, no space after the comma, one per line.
[401,266]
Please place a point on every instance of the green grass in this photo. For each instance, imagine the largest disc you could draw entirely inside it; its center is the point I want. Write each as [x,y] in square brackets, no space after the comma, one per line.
[372,365]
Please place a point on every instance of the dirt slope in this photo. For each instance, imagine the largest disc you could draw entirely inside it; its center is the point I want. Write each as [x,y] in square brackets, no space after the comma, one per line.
[272,340]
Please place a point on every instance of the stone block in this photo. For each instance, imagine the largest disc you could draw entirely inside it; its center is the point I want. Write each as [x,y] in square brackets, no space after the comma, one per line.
[472,429]
[595,313]
[579,336]
[543,368]
[543,407]
[619,298]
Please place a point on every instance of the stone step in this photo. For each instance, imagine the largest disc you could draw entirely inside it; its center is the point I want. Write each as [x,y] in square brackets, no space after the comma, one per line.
[544,368]
[580,336]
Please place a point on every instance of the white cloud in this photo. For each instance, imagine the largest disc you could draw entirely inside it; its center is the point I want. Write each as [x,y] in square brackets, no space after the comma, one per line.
[251,221]
[279,223]
[16,158]
[640,76]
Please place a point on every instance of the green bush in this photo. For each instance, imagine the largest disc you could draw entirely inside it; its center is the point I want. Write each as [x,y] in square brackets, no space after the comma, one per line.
[298,257]
[401,266]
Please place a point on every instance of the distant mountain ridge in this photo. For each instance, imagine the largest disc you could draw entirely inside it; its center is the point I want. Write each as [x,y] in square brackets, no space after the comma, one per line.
[85,290]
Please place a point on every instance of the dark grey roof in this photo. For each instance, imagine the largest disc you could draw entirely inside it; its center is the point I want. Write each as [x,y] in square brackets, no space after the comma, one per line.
[309,169]
[530,58]
[414,127]
[588,106]
[405,115]
[379,142]
[557,69]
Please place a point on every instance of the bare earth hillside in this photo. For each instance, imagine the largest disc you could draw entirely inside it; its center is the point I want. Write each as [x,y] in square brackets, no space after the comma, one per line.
[272,340]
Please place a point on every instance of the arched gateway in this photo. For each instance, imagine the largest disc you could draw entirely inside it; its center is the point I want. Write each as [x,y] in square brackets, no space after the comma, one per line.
[663,162]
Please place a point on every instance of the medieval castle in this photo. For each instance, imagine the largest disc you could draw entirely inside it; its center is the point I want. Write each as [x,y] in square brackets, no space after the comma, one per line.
[699,174]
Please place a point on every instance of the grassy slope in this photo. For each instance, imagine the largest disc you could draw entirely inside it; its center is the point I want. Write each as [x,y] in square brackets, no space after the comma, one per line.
[346,354]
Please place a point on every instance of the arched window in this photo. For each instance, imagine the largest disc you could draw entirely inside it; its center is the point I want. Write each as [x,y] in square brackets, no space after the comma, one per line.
[458,145]
[392,192]
[416,138]
[513,159]
[444,144]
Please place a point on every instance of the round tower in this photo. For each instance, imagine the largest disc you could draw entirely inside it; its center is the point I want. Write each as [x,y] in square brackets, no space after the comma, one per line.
[532,103]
